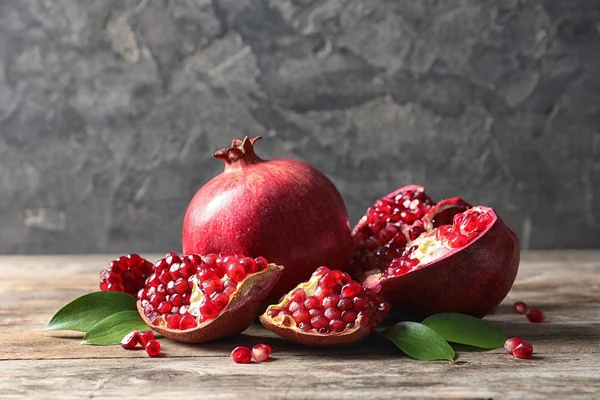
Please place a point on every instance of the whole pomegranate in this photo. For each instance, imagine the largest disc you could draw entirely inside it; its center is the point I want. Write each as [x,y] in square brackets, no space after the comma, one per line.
[426,257]
[281,209]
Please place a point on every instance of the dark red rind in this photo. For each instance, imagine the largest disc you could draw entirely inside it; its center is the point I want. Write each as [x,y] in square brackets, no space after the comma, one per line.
[237,316]
[471,280]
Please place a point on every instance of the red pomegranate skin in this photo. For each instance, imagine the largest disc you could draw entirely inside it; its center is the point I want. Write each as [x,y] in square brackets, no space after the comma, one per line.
[284,210]
[470,280]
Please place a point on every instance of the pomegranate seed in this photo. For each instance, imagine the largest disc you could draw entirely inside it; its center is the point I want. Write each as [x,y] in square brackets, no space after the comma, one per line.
[261,263]
[298,295]
[272,312]
[519,307]
[249,264]
[236,272]
[332,313]
[360,303]
[241,355]
[457,240]
[130,341]
[187,322]
[337,325]
[348,316]
[331,300]
[173,321]
[153,348]
[312,302]
[321,293]
[523,350]
[330,279]
[511,343]
[345,303]
[295,305]
[219,299]
[165,307]
[301,316]
[210,260]
[305,326]
[208,309]
[145,337]
[211,286]
[324,330]
[261,352]
[316,312]
[321,271]
[352,289]
[535,315]
[319,322]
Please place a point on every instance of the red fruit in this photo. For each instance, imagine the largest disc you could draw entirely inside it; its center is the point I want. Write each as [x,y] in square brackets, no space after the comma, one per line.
[126,274]
[333,321]
[258,207]
[130,341]
[153,348]
[435,257]
[511,343]
[519,307]
[145,337]
[261,352]
[535,315]
[242,355]
[191,299]
[523,350]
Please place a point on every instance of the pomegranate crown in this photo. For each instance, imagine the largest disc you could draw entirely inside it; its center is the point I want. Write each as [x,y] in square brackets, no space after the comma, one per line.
[239,154]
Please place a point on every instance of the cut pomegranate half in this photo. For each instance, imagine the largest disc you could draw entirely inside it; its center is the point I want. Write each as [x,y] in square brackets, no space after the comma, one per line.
[426,257]
[329,309]
[195,298]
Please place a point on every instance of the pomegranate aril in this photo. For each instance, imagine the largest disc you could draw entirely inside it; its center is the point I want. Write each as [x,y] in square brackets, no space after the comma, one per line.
[249,264]
[176,299]
[316,312]
[236,272]
[324,330]
[273,312]
[301,316]
[173,321]
[229,290]
[295,305]
[211,286]
[535,315]
[241,355]
[219,299]
[321,271]
[298,295]
[511,343]
[331,300]
[130,341]
[345,303]
[312,302]
[352,289]
[337,325]
[208,309]
[261,352]
[519,307]
[457,240]
[321,293]
[153,348]
[115,287]
[305,326]
[187,322]
[145,337]
[330,279]
[332,313]
[319,322]
[165,307]
[349,316]
[261,263]
[523,350]
[361,303]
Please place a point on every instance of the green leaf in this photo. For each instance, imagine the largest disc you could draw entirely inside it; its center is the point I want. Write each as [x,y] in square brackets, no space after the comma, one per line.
[86,311]
[419,341]
[464,329]
[111,330]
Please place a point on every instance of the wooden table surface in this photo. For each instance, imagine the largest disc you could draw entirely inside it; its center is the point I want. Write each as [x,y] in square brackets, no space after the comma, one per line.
[566,285]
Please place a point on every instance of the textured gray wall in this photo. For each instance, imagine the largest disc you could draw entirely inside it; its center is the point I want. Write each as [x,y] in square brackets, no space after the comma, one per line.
[109,110]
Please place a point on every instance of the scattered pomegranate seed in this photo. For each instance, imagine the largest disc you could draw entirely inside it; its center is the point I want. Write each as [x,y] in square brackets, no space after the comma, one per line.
[535,315]
[130,341]
[519,307]
[241,354]
[145,337]
[153,348]
[511,343]
[261,352]
[523,350]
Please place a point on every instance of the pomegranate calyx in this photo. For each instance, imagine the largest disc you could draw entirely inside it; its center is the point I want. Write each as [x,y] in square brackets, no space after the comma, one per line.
[239,154]
[238,315]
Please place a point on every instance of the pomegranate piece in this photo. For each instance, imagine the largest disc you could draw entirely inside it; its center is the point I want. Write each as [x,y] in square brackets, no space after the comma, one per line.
[241,355]
[330,318]
[519,307]
[153,348]
[130,341]
[126,274]
[145,337]
[196,298]
[535,315]
[259,207]
[261,352]
[523,350]
[511,343]
[427,258]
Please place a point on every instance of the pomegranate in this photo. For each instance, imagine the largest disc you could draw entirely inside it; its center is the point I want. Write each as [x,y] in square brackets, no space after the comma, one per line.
[130,341]
[197,298]
[241,355]
[427,258]
[261,352]
[126,274]
[329,309]
[281,209]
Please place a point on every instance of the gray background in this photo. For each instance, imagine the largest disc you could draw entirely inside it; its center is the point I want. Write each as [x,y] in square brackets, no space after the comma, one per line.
[109,110]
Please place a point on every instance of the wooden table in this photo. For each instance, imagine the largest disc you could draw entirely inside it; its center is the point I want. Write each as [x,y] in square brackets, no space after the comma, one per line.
[566,285]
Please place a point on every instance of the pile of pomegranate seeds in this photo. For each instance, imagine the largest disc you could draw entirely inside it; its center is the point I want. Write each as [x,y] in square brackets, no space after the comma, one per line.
[518,347]
[534,315]
[243,355]
[334,305]
[465,227]
[146,339]
[185,291]
[126,274]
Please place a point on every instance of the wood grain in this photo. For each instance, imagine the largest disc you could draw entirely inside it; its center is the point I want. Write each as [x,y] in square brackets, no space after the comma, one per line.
[33,364]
